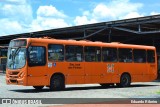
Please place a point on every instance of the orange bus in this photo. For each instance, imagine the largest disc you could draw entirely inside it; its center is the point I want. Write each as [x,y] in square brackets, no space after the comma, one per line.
[40,62]
[3,57]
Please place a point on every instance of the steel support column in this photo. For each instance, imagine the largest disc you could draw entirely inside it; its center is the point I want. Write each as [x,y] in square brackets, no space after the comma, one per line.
[139,28]
[109,36]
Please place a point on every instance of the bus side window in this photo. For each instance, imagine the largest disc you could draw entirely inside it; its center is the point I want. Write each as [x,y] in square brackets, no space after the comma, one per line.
[74,53]
[109,54]
[55,52]
[37,56]
[150,56]
[125,55]
[139,56]
[92,54]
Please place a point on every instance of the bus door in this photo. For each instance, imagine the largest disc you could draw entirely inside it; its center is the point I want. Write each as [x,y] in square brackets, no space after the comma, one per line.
[74,63]
[37,73]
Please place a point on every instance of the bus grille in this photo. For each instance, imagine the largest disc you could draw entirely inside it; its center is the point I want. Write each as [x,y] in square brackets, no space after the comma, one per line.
[13,77]
[13,81]
[14,73]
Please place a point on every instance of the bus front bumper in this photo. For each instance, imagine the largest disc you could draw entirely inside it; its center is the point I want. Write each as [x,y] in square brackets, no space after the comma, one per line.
[15,80]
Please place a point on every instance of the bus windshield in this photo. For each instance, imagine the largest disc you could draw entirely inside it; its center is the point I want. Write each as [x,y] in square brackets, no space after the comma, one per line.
[16,54]
[16,58]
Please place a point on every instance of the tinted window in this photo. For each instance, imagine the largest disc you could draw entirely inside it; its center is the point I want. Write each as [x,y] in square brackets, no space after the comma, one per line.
[74,53]
[139,56]
[55,52]
[92,54]
[109,54]
[36,55]
[150,56]
[125,55]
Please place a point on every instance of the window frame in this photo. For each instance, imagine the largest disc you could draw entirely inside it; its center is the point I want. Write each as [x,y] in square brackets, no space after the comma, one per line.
[38,64]
[152,57]
[123,59]
[63,53]
[99,54]
[110,48]
[82,56]
[140,57]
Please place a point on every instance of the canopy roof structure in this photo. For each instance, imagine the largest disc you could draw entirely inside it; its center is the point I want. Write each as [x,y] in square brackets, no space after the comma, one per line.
[142,30]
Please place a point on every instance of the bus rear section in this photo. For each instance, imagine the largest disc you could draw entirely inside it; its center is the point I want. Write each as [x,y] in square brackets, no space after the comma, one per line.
[140,63]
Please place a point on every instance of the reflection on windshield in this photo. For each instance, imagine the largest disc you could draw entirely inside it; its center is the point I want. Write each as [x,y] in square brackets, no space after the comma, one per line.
[16,58]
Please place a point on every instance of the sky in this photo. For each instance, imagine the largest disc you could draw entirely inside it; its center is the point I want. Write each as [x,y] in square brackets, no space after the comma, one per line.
[22,16]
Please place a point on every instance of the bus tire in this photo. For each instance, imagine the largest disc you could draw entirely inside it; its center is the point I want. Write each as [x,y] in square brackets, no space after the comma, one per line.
[38,87]
[125,81]
[57,83]
[106,84]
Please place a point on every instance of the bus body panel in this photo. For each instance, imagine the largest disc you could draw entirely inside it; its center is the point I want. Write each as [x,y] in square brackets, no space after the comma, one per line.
[74,72]
[101,72]
[152,69]
[37,76]
[138,72]
[17,77]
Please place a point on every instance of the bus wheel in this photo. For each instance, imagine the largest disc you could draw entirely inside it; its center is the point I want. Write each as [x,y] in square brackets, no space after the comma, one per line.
[125,80]
[106,84]
[57,83]
[38,87]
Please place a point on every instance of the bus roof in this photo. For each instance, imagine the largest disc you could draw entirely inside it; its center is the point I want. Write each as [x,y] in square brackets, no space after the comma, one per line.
[86,43]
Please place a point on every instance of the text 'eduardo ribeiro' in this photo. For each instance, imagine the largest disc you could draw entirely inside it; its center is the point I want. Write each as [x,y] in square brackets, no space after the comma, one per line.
[145,101]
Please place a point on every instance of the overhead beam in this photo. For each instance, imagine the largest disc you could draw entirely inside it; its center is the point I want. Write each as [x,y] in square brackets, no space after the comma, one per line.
[136,32]
[92,34]
[124,29]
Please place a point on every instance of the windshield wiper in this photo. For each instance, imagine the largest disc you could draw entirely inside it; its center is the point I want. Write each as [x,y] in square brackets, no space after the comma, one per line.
[16,51]
[13,55]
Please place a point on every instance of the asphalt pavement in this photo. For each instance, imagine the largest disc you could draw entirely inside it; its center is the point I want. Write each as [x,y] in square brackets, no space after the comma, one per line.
[82,93]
